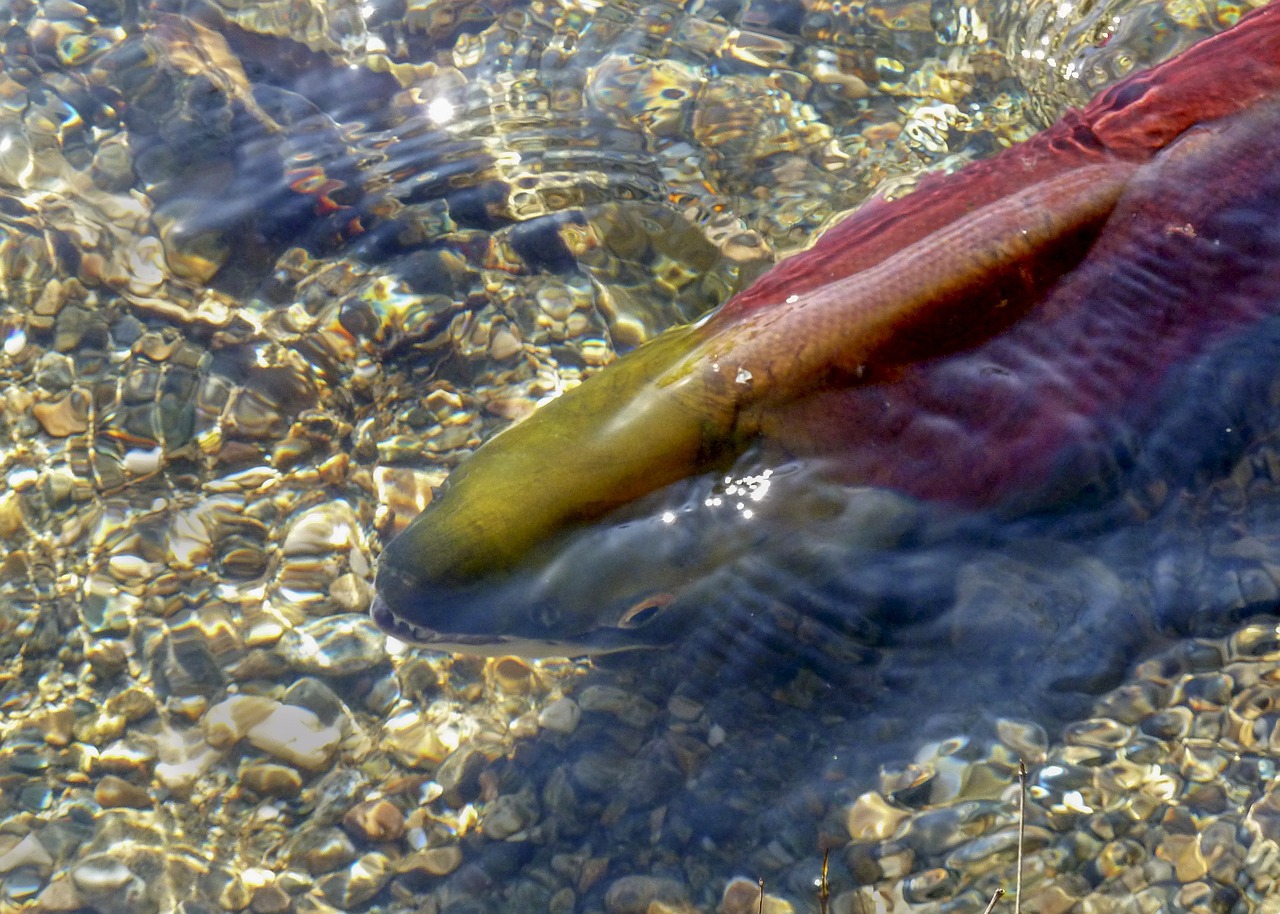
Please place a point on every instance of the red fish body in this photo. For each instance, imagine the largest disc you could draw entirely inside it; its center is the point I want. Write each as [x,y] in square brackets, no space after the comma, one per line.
[1011,414]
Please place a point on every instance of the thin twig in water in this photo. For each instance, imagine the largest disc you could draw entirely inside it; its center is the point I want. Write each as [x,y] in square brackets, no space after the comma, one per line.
[1022,831]
[760,909]
[824,889]
[994,898]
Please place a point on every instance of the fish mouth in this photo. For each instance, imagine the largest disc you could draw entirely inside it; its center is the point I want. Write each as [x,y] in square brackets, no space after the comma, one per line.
[602,641]
[477,645]
[404,630]
[517,612]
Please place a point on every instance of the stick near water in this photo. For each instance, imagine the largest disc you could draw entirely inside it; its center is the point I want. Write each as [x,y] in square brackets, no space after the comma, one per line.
[824,888]
[1022,832]
[994,898]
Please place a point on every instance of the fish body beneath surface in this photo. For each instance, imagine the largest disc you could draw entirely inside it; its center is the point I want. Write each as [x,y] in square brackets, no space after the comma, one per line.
[994,358]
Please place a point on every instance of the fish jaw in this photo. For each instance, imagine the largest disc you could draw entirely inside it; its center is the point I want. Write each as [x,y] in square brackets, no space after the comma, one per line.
[491,645]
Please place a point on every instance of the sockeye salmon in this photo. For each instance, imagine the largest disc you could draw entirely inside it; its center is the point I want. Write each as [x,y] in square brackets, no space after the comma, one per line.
[1028,337]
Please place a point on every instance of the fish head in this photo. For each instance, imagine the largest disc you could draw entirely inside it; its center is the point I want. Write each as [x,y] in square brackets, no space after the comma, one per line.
[596,588]
[644,575]
[559,537]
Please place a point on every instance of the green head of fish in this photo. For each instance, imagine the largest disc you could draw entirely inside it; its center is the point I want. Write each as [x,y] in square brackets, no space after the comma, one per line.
[466,573]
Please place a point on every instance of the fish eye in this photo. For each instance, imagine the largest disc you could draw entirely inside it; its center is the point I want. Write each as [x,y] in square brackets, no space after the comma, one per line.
[645,611]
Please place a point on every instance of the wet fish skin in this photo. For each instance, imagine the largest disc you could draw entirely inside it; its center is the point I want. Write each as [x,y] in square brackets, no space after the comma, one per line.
[472,571]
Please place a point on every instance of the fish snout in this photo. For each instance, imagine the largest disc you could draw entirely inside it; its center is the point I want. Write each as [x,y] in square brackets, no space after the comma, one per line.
[554,604]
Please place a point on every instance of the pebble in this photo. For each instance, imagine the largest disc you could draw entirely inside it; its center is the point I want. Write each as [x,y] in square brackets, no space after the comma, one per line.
[434,861]
[270,899]
[685,709]
[112,791]
[127,758]
[27,851]
[321,850]
[873,818]
[108,658]
[269,779]
[560,716]
[562,902]
[341,645]
[296,735]
[184,758]
[375,820]
[100,728]
[415,741]
[418,678]
[511,675]
[742,896]
[67,415]
[631,709]
[504,344]
[292,734]
[60,895]
[634,894]
[459,774]
[314,695]
[356,885]
[506,816]
[100,874]
[227,722]
[321,530]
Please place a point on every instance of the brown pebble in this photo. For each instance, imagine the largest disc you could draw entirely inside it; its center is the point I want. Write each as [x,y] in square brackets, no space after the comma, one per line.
[685,709]
[504,344]
[562,902]
[269,779]
[100,728]
[742,896]
[592,872]
[323,850]
[134,704]
[107,658]
[634,894]
[375,820]
[59,895]
[115,792]
[56,726]
[65,416]
[433,861]
[234,895]
[270,899]
[511,675]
